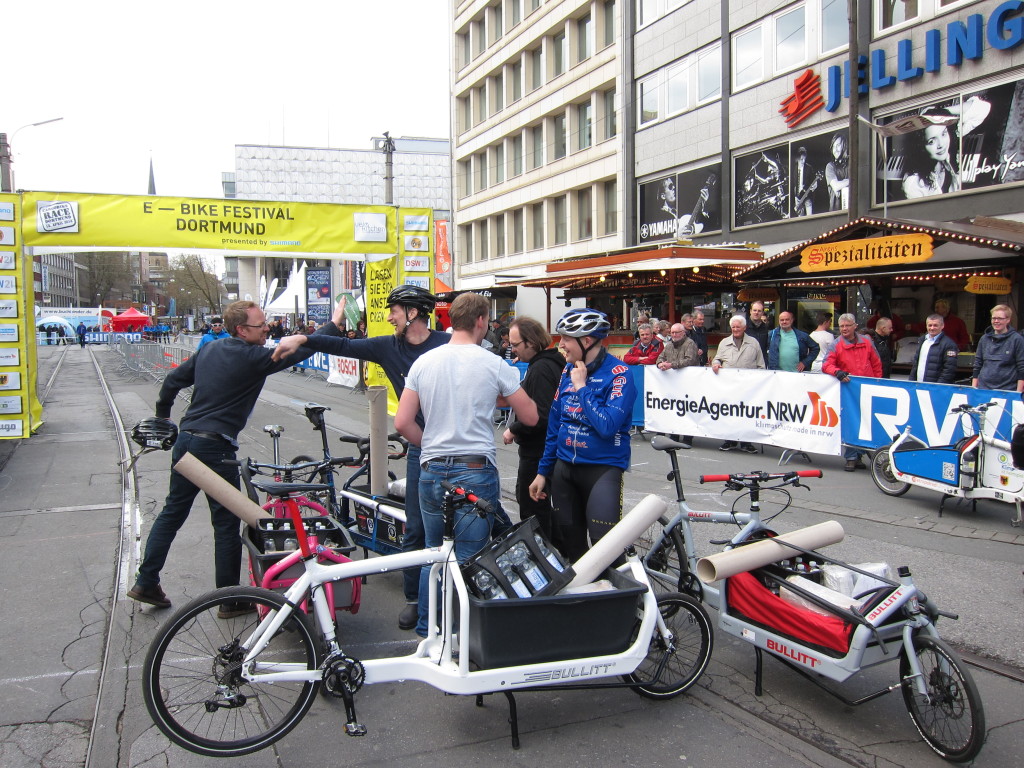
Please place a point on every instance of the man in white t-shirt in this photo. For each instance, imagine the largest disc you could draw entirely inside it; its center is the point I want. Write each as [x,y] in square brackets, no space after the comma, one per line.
[457,387]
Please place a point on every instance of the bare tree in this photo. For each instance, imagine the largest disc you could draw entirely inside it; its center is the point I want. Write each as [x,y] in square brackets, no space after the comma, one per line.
[108,274]
[193,284]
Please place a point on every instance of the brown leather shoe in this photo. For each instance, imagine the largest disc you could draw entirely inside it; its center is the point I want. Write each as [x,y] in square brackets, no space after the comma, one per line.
[150,595]
[851,464]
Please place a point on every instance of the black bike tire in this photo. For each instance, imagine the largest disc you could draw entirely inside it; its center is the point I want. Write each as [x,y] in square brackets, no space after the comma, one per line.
[663,555]
[165,673]
[879,465]
[957,694]
[304,459]
[692,653]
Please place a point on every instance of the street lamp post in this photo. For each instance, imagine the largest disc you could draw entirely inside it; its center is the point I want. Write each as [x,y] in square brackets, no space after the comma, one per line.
[7,156]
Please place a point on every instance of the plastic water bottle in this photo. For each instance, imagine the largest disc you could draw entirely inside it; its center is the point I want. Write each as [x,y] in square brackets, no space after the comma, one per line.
[550,556]
[505,564]
[488,586]
[523,563]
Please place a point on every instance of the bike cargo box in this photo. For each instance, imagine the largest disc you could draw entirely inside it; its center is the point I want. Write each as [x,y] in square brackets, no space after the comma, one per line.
[380,525]
[538,570]
[508,633]
[266,547]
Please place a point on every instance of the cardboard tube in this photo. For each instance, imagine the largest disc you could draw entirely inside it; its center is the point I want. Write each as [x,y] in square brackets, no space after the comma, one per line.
[750,556]
[378,398]
[612,544]
[220,489]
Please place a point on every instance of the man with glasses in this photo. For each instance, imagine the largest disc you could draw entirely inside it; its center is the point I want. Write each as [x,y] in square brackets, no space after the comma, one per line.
[216,332]
[227,378]
[999,359]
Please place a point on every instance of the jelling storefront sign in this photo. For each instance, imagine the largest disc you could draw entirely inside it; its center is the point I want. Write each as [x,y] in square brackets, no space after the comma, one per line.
[871,252]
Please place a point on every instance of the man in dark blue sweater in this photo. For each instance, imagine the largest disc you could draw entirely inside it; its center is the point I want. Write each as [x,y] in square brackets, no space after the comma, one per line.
[409,313]
[227,378]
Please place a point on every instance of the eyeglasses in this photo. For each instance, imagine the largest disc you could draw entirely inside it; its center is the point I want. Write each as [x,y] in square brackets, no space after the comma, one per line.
[997,317]
[517,343]
[264,324]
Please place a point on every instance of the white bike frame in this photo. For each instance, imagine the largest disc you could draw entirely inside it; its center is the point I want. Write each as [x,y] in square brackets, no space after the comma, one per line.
[433,661]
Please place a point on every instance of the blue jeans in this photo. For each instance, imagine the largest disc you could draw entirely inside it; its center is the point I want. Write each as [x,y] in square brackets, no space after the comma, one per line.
[413,539]
[227,544]
[472,532]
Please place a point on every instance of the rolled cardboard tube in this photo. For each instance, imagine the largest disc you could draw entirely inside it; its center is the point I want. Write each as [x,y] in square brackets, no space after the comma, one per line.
[612,544]
[220,489]
[725,564]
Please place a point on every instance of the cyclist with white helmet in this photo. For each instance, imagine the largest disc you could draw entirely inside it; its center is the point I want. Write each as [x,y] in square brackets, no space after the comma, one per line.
[409,312]
[587,446]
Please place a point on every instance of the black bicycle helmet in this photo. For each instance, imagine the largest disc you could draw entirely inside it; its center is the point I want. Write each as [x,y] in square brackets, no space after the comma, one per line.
[155,433]
[413,296]
[579,323]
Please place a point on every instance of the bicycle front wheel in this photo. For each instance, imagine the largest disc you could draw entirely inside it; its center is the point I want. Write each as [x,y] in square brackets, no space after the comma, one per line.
[192,684]
[951,718]
[674,664]
[882,474]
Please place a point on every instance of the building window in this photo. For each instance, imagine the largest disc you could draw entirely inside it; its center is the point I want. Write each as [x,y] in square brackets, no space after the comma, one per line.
[790,39]
[517,154]
[835,26]
[518,230]
[496,23]
[536,68]
[534,5]
[465,121]
[515,12]
[465,49]
[499,236]
[515,74]
[481,170]
[584,214]
[892,14]
[584,120]
[584,38]
[467,240]
[647,11]
[558,123]
[558,56]
[559,220]
[677,82]
[537,141]
[610,124]
[465,176]
[477,29]
[499,163]
[709,75]
[481,103]
[498,91]
[748,58]
[608,9]
[648,100]
[611,206]
[538,226]
[481,240]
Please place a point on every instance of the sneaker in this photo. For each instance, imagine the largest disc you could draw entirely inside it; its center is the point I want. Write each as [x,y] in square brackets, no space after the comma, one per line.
[748,448]
[230,610]
[149,595]
[728,445]
[409,616]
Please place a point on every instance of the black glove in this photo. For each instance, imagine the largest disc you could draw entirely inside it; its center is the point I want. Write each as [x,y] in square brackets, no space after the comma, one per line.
[842,375]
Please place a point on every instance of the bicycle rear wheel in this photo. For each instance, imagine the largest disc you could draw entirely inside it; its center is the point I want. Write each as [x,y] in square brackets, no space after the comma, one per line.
[671,667]
[192,685]
[882,474]
[662,553]
[951,720]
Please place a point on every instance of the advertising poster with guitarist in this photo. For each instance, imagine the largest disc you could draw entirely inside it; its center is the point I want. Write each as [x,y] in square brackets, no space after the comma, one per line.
[680,205]
[809,191]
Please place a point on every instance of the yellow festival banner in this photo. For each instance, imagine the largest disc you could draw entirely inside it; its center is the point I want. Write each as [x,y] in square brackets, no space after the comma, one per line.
[380,281]
[63,219]
[869,252]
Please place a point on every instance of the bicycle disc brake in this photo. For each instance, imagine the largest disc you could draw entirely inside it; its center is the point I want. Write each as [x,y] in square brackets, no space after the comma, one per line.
[343,676]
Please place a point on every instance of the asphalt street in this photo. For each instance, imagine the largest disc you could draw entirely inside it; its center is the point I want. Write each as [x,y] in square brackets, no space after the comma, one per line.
[69,678]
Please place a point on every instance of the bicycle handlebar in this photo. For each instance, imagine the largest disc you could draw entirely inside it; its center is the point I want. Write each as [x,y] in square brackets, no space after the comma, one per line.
[968,408]
[761,477]
[482,504]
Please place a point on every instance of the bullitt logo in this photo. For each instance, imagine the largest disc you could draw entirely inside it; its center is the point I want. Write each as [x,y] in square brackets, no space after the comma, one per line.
[822,414]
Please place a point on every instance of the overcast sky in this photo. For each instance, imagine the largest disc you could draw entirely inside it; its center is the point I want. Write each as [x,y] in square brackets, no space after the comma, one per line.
[185,81]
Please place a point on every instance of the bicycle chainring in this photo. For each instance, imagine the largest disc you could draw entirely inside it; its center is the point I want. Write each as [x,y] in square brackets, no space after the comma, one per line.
[343,674]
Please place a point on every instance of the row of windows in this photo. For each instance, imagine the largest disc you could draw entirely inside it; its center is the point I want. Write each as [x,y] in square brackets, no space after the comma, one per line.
[574,128]
[546,223]
[681,86]
[551,57]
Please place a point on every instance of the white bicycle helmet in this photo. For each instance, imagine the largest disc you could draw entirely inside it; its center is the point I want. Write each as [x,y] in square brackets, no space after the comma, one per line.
[579,323]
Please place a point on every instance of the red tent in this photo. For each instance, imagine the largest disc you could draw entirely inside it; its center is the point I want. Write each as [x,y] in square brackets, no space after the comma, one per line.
[132,317]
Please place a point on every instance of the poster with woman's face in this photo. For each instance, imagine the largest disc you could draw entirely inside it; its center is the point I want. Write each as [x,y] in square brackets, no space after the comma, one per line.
[761,186]
[925,162]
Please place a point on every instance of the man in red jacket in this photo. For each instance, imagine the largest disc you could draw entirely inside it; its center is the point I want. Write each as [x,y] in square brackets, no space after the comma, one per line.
[851,355]
[646,350]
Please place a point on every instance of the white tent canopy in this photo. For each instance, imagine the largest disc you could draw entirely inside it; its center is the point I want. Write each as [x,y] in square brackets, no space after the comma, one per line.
[295,290]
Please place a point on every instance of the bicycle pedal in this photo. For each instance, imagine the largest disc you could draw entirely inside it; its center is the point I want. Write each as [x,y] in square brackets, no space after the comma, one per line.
[355,729]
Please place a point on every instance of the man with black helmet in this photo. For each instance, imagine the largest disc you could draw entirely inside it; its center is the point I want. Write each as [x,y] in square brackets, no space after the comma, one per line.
[227,378]
[409,312]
